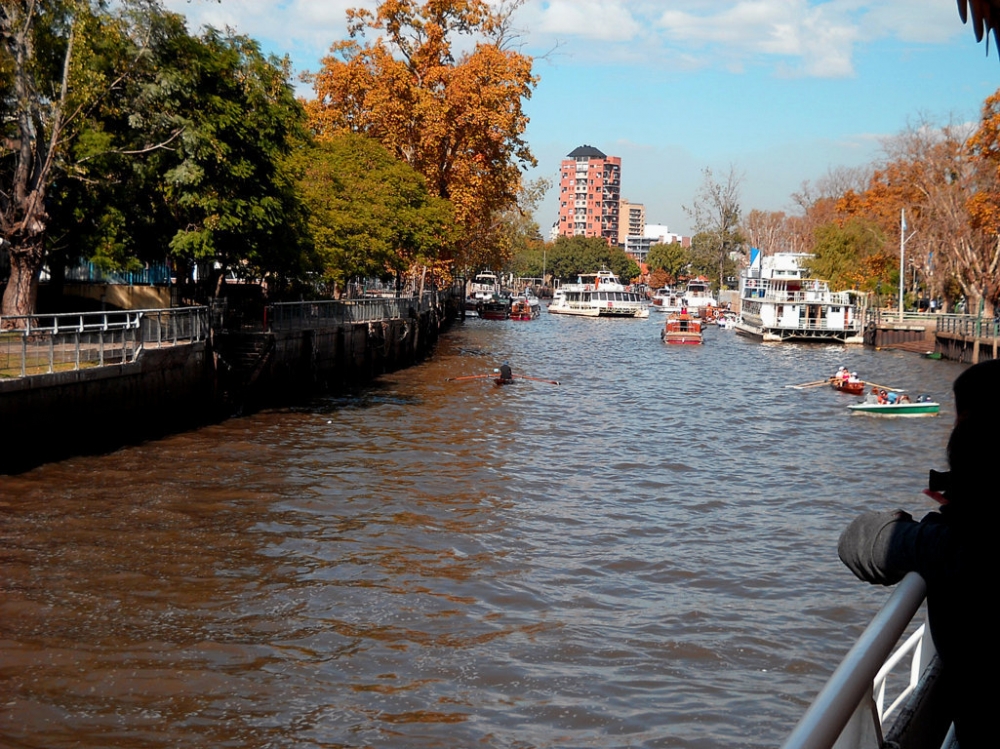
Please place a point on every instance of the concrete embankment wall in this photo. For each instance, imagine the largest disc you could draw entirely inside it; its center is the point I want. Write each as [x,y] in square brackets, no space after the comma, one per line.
[49,417]
[290,365]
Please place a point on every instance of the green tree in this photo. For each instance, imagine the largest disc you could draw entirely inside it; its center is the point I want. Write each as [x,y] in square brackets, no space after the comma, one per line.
[57,68]
[671,258]
[568,257]
[162,144]
[370,214]
[225,185]
[850,255]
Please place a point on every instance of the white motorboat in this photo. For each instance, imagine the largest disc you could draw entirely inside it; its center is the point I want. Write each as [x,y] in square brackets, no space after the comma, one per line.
[485,287]
[598,294]
[698,296]
[667,300]
[779,302]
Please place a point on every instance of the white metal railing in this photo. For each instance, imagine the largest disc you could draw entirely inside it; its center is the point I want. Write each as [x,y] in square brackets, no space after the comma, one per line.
[293,315]
[44,344]
[849,712]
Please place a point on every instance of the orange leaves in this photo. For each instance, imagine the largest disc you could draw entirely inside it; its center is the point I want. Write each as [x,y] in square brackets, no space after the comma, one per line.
[455,117]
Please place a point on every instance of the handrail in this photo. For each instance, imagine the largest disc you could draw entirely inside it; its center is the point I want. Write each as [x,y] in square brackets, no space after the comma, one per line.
[849,689]
[44,344]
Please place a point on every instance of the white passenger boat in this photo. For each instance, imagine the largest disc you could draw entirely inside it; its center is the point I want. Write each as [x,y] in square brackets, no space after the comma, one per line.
[698,296]
[598,294]
[779,302]
[667,300]
[484,287]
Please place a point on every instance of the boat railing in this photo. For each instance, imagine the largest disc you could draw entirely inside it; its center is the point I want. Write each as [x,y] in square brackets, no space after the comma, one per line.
[866,692]
[814,296]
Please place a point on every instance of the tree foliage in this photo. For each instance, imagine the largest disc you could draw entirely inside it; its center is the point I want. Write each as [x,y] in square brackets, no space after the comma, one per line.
[57,70]
[717,216]
[370,214]
[671,258]
[568,257]
[161,144]
[441,90]
[851,255]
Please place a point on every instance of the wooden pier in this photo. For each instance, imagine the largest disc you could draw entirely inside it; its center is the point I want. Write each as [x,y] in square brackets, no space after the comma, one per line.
[963,338]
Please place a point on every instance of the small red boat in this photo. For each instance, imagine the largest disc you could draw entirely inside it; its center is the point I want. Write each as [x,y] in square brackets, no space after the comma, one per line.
[682,328]
[846,386]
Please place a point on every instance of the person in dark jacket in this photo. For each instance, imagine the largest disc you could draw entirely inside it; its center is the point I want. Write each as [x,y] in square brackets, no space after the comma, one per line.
[954,550]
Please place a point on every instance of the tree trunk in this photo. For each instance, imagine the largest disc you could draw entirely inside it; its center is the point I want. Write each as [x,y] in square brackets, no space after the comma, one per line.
[22,289]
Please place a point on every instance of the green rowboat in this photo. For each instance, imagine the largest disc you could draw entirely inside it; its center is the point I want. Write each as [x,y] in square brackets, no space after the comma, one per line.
[927,408]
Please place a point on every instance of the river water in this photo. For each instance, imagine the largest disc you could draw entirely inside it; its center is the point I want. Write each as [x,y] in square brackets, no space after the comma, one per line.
[641,556]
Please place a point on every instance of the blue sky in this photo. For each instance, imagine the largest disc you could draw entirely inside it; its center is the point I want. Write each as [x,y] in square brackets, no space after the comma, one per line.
[781,90]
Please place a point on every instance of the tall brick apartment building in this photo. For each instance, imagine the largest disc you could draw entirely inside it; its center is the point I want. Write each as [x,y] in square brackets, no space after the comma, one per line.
[590,194]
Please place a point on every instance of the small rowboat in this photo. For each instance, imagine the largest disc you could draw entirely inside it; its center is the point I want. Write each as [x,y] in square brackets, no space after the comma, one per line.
[925,408]
[846,386]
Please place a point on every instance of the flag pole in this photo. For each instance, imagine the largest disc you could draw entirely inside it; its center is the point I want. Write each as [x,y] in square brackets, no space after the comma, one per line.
[902,244]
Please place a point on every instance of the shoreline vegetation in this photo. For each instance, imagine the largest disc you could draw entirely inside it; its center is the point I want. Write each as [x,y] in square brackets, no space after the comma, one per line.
[241,181]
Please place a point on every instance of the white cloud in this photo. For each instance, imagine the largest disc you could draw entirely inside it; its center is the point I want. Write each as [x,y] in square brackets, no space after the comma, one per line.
[795,38]
[590,19]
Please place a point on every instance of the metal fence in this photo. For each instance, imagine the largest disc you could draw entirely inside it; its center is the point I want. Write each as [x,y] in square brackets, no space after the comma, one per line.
[44,344]
[969,326]
[297,315]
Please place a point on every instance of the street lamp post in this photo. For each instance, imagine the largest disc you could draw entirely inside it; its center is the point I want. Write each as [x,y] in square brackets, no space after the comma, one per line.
[902,249]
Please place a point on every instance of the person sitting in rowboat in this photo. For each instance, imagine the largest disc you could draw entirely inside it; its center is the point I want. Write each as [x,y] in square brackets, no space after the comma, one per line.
[954,551]
[853,378]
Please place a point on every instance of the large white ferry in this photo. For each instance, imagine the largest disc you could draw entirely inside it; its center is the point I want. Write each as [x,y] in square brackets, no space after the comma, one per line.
[598,294]
[779,302]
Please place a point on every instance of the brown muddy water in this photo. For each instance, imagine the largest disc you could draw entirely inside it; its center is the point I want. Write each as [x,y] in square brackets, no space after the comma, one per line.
[641,556]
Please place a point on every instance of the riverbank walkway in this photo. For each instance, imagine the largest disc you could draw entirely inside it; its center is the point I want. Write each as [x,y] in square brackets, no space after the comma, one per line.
[45,344]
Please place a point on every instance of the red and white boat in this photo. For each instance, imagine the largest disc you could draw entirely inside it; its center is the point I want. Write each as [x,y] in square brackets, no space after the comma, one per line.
[682,327]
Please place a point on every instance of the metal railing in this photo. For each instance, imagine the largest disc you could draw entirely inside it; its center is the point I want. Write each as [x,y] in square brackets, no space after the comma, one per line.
[969,326]
[296,315]
[850,710]
[44,344]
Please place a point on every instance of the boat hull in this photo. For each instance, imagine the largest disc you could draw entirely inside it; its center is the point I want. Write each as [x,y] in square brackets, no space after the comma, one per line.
[779,335]
[851,388]
[896,409]
[590,311]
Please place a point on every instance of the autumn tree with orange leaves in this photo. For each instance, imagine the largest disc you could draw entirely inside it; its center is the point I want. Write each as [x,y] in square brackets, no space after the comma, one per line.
[442,90]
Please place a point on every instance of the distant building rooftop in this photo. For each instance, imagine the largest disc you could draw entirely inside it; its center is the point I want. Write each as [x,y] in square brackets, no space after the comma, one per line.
[588,151]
